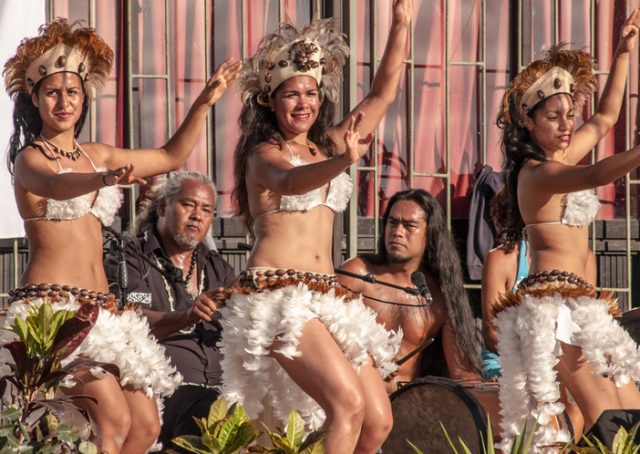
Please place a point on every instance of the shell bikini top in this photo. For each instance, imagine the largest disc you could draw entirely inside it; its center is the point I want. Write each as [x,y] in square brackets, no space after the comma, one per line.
[104,205]
[580,209]
[336,197]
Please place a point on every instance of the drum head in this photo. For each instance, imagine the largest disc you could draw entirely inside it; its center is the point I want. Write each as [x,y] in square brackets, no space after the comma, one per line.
[630,321]
[420,406]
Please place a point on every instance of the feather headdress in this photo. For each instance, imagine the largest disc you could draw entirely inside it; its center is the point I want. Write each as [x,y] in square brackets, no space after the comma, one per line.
[318,51]
[59,47]
[560,71]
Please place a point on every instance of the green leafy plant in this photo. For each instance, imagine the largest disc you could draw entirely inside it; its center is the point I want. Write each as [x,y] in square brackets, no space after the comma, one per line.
[521,443]
[623,443]
[292,440]
[30,415]
[226,430]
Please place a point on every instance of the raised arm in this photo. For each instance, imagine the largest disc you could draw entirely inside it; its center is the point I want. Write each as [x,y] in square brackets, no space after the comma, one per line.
[173,154]
[610,103]
[385,83]
[552,177]
[38,175]
[268,167]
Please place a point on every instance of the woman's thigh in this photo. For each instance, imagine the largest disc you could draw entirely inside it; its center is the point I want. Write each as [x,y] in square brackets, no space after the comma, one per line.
[322,370]
[592,392]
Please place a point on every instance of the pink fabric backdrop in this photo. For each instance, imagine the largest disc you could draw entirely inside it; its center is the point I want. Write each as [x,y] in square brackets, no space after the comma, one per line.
[466,132]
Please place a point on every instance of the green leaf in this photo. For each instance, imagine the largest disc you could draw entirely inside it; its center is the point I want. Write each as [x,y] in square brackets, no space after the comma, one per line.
[210,442]
[284,445]
[295,429]
[314,439]
[11,413]
[191,443]
[487,446]
[244,436]
[86,447]
[217,411]
[446,435]
[227,432]
[465,448]
[416,450]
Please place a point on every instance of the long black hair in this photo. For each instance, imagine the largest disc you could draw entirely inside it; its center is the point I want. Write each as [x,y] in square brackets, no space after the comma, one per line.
[27,123]
[518,147]
[442,262]
[258,125]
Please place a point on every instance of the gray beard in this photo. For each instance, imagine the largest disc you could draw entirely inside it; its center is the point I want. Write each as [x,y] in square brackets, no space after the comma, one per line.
[185,241]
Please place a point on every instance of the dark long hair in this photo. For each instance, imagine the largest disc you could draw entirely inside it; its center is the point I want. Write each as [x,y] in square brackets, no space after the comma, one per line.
[508,235]
[517,147]
[442,262]
[27,124]
[258,125]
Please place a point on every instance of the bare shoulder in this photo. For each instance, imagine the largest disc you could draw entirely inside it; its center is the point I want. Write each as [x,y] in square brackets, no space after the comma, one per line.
[356,265]
[266,154]
[99,153]
[500,262]
[33,157]
[500,255]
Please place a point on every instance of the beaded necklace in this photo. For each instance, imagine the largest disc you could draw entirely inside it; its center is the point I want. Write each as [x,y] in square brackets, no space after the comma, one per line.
[185,281]
[73,155]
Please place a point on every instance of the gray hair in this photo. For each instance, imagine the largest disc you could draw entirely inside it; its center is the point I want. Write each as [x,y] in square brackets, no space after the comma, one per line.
[168,188]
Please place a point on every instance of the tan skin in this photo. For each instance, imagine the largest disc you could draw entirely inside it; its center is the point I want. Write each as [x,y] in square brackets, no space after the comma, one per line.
[406,240]
[188,216]
[51,260]
[564,247]
[358,411]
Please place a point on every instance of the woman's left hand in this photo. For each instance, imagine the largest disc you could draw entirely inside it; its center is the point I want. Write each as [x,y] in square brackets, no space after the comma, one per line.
[356,146]
[629,32]
[122,175]
[402,12]
[224,76]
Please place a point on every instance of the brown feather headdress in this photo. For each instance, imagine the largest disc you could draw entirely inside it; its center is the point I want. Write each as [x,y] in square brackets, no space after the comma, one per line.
[560,71]
[59,47]
[318,51]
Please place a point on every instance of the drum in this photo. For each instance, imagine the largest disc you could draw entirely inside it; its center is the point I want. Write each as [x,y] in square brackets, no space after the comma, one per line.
[420,406]
[630,321]
[462,407]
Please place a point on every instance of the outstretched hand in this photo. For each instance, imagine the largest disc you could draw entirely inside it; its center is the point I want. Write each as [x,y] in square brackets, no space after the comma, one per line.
[218,83]
[629,32]
[356,146]
[402,12]
[121,175]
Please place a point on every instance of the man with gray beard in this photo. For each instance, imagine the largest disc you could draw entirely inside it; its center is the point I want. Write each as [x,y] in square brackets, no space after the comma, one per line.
[172,275]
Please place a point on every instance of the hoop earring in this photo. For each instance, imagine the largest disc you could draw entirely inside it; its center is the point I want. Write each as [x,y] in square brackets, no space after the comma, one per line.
[263,99]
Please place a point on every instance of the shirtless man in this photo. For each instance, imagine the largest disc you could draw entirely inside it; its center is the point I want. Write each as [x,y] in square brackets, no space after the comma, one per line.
[414,237]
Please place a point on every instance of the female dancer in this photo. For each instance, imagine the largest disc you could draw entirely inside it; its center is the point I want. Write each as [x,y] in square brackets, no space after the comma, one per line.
[291,332]
[65,192]
[555,315]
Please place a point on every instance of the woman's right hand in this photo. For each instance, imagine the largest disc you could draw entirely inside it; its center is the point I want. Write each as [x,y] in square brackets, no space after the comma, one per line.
[356,146]
[121,175]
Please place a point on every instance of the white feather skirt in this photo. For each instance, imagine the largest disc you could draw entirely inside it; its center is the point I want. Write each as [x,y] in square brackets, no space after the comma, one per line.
[530,349]
[252,322]
[120,339]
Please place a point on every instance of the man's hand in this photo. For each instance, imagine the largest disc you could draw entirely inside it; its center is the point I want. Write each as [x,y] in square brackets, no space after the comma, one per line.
[207,303]
[203,308]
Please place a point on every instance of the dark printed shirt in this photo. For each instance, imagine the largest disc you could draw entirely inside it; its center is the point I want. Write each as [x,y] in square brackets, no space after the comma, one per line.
[192,351]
